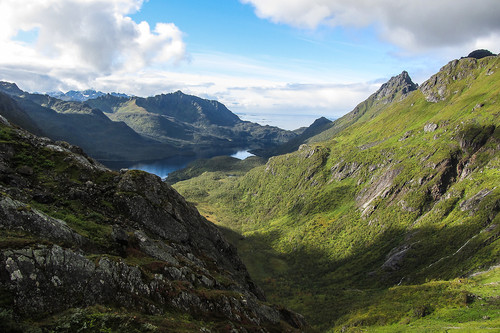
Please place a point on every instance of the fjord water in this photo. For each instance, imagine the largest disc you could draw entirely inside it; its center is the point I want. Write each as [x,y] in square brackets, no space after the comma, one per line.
[162,168]
[242,154]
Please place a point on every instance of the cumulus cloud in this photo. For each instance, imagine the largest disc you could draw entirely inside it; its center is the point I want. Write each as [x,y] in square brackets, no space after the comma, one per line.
[412,25]
[83,37]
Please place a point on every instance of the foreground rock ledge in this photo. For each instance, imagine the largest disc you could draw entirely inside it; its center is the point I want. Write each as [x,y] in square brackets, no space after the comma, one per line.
[77,235]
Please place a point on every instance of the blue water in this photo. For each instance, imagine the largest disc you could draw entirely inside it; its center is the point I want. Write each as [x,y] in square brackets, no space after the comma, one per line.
[242,154]
[162,168]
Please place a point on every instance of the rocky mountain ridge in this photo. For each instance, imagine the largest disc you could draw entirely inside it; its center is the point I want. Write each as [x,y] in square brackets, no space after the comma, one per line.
[396,88]
[82,244]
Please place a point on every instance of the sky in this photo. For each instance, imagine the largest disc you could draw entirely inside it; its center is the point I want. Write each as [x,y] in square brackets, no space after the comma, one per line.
[278,62]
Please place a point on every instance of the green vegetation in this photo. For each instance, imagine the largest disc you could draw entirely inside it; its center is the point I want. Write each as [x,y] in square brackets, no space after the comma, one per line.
[374,226]
[461,305]
[101,319]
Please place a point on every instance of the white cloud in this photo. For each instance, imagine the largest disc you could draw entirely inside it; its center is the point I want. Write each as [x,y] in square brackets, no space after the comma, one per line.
[250,86]
[83,38]
[412,25]
[80,44]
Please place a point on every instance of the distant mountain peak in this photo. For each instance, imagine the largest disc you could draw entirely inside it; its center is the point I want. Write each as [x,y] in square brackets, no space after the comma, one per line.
[82,96]
[320,122]
[401,83]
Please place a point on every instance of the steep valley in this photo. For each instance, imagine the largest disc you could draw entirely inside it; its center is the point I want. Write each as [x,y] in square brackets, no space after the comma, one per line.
[380,221]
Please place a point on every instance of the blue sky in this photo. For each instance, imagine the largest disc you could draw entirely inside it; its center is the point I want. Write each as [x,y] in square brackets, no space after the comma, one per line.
[280,62]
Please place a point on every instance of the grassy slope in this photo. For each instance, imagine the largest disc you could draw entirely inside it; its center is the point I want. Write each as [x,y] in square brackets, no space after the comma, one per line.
[319,224]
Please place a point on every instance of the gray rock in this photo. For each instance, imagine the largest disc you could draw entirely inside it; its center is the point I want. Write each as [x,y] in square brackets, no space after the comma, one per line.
[156,249]
[395,258]
[15,215]
[472,204]
[430,127]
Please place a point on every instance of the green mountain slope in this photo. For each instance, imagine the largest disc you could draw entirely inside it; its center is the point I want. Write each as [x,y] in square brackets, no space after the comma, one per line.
[405,191]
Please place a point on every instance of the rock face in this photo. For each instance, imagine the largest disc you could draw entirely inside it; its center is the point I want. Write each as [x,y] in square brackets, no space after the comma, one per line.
[438,87]
[77,235]
[401,83]
[479,54]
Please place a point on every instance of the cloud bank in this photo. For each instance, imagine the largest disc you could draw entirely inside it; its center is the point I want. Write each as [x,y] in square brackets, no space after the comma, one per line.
[79,40]
[412,25]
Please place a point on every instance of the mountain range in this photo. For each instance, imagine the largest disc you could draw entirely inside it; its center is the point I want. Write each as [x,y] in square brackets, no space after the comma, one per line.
[115,128]
[81,96]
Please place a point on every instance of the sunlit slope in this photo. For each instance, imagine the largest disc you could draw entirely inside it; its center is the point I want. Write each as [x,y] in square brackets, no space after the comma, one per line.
[405,192]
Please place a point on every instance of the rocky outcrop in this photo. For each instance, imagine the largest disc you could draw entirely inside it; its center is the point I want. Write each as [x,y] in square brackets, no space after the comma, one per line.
[472,204]
[437,88]
[75,234]
[17,216]
[479,54]
[48,279]
[400,84]
[380,186]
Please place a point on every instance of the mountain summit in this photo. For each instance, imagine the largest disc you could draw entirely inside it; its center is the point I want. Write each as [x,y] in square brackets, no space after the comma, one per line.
[479,54]
[400,84]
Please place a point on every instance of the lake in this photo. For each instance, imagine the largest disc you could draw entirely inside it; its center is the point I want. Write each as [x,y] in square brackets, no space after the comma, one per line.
[162,168]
